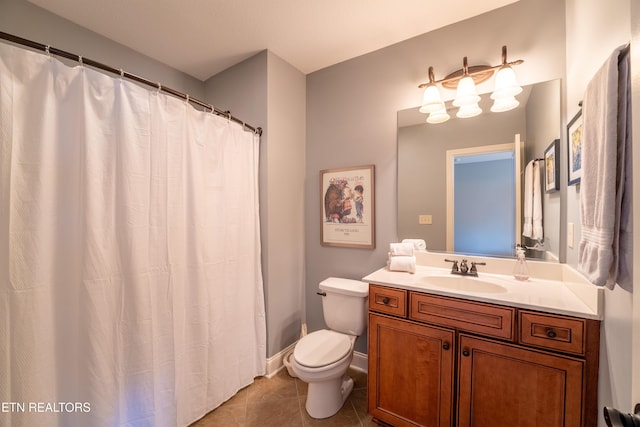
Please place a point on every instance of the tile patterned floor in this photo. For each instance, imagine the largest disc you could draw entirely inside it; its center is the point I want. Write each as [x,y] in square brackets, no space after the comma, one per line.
[279,402]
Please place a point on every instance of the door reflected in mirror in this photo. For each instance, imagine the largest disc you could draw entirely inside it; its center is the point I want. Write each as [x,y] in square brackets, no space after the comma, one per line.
[422,175]
[482,199]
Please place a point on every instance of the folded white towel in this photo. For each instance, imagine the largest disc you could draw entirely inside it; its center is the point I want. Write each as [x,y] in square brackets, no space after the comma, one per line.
[402,263]
[418,244]
[401,249]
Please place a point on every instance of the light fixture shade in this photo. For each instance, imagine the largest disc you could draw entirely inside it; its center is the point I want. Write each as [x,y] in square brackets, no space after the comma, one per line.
[439,116]
[467,111]
[466,93]
[501,105]
[431,101]
[506,83]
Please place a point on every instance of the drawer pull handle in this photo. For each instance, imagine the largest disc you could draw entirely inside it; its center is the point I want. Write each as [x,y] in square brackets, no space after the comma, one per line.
[446,346]
[466,352]
[551,333]
[385,300]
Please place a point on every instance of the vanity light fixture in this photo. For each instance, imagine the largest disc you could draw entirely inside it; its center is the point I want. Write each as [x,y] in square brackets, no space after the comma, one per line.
[465,81]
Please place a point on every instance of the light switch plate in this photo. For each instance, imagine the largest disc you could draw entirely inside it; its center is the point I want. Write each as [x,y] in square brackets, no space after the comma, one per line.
[425,219]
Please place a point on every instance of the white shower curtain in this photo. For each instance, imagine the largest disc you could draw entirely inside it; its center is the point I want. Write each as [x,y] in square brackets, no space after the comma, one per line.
[130,281]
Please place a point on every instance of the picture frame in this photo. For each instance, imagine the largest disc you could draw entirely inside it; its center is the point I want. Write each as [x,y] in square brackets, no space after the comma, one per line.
[574,149]
[552,167]
[347,217]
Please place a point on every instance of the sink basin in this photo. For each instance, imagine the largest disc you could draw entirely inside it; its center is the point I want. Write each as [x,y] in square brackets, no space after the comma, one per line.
[465,284]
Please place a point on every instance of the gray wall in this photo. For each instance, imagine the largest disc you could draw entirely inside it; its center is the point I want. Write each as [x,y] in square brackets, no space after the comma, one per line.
[271,93]
[352,106]
[21,18]
[543,127]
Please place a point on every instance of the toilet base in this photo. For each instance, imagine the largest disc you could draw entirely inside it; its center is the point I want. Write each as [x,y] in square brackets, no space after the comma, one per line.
[325,398]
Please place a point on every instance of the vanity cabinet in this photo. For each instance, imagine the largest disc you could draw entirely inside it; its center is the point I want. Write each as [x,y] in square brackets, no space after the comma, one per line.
[503,385]
[413,371]
[441,361]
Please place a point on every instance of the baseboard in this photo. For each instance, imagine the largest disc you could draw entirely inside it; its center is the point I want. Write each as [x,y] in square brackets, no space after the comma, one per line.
[360,362]
[275,363]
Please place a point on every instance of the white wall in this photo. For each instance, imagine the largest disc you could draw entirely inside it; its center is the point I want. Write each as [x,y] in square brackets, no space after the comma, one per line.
[594,30]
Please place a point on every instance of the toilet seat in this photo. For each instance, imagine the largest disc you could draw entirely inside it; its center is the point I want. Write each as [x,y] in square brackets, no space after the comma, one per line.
[322,348]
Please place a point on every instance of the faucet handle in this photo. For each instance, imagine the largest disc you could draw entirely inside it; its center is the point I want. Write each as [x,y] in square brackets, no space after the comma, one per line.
[473,266]
[454,267]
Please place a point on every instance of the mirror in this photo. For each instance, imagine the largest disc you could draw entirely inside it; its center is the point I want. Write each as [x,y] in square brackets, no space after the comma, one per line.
[422,165]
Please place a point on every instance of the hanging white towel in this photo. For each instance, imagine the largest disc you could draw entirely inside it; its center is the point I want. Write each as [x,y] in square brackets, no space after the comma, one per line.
[606,141]
[532,226]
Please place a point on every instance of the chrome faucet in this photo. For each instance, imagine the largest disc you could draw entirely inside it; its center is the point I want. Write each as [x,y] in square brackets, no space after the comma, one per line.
[464,269]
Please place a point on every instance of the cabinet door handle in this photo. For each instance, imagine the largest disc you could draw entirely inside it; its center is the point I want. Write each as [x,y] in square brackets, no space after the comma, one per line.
[446,346]
[551,333]
[385,300]
[466,352]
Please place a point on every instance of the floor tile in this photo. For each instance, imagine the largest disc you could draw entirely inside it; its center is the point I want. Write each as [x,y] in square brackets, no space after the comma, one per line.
[280,402]
[281,386]
[274,413]
[227,416]
[358,399]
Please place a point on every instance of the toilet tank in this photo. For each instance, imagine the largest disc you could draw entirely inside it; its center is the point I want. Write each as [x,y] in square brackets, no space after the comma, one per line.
[345,305]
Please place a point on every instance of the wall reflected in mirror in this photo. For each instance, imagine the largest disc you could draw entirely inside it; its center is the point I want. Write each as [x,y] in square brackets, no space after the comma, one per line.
[422,175]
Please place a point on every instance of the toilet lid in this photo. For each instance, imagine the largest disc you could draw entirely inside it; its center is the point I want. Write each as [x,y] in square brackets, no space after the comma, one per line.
[321,348]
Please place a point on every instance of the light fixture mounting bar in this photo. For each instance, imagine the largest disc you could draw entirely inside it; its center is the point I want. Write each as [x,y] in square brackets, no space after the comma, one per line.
[479,73]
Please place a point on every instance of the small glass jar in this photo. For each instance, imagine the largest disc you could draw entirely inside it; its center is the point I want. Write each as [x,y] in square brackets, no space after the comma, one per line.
[521,271]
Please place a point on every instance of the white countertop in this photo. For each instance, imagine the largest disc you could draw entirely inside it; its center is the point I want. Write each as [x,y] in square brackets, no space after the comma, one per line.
[570,296]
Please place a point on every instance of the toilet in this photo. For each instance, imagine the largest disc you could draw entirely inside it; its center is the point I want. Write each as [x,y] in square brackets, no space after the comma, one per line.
[322,358]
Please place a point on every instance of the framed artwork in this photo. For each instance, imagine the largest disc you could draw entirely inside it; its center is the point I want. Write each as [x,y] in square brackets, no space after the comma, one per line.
[574,142]
[552,167]
[347,207]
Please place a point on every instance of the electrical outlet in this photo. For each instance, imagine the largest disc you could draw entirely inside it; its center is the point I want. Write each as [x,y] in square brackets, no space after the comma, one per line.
[425,219]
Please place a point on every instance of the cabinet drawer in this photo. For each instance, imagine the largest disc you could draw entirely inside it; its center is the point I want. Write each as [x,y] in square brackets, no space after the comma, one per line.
[470,316]
[552,332]
[388,300]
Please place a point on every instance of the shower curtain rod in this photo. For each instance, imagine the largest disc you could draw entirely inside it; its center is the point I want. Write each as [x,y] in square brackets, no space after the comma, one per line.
[86,61]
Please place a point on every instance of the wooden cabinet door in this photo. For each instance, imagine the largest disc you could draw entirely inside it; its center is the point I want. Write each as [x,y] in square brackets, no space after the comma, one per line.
[503,385]
[410,372]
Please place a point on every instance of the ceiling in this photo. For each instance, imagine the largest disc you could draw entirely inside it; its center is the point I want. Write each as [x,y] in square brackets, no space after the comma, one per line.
[203,37]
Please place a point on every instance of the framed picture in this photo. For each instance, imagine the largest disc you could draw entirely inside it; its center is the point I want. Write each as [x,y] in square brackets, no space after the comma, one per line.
[574,142]
[552,167]
[347,207]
